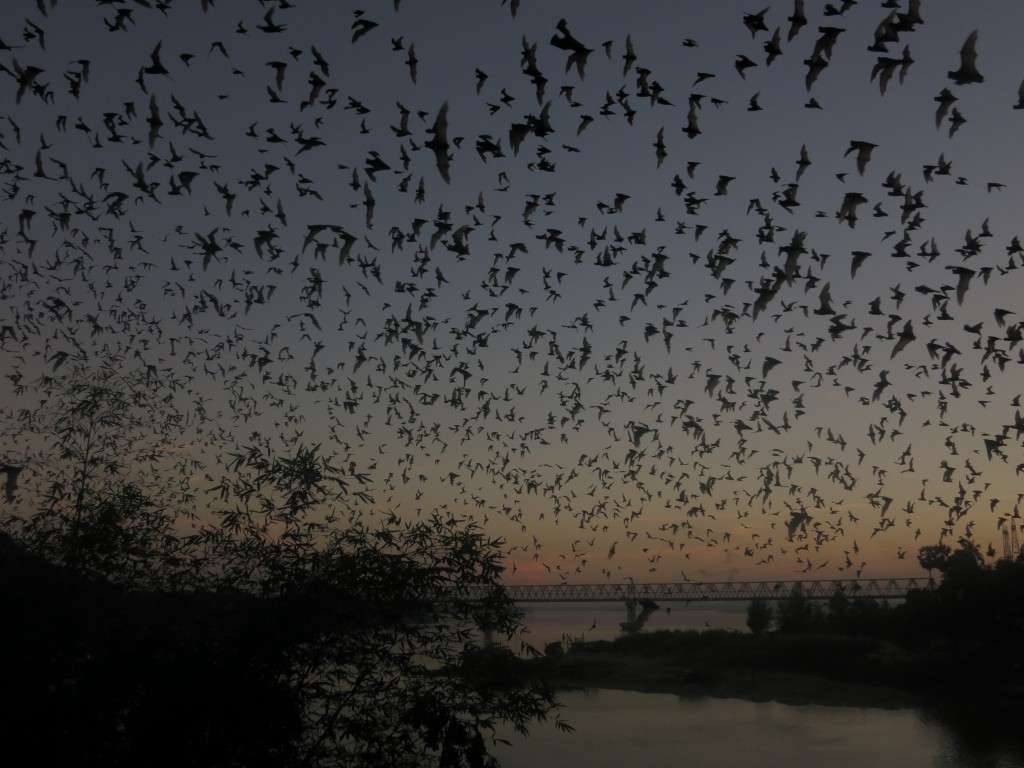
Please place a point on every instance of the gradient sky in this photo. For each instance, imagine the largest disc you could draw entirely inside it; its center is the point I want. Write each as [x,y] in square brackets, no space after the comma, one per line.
[602,356]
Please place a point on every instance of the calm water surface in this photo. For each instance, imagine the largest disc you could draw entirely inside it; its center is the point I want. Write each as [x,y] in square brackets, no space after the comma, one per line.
[625,728]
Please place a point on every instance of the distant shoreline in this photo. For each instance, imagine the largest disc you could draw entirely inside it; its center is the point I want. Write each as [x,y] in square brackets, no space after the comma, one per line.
[831,670]
[653,674]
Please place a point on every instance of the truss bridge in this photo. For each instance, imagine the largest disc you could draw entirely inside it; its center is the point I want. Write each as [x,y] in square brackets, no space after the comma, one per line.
[696,591]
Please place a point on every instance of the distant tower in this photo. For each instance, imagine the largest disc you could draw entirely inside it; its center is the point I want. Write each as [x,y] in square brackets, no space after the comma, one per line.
[1011,546]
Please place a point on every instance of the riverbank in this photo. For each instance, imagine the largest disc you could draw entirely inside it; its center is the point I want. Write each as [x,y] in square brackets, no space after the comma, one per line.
[658,674]
[832,670]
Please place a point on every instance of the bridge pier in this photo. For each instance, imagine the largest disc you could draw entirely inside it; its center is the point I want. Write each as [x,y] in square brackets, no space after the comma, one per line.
[635,622]
[631,604]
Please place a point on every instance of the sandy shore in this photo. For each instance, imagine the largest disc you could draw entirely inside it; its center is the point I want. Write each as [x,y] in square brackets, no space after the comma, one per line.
[654,674]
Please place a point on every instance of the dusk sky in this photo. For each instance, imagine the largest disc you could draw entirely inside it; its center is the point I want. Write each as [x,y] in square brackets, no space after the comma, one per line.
[569,268]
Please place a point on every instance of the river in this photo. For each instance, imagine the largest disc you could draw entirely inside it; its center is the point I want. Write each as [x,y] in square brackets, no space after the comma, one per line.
[626,728]
[549,622]
[614,729]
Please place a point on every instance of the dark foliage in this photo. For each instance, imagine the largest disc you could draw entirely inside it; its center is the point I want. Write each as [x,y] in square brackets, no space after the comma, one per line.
[282,630]
[107,676]
[759,616]
[971,601]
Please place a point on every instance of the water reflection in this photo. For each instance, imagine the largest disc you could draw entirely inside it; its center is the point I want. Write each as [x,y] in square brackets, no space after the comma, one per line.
[627,728]
[980,732]
[616,728]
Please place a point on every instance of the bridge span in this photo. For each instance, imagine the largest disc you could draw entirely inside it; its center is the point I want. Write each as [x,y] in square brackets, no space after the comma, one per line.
[694,591]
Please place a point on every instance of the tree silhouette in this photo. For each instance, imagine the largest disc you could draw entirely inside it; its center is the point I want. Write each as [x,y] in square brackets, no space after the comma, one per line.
[104,486]
[759,615]
[795,613]
[934,557]
[280,629]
